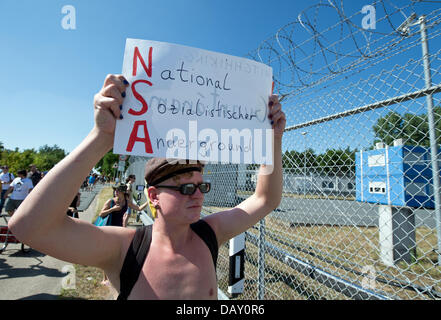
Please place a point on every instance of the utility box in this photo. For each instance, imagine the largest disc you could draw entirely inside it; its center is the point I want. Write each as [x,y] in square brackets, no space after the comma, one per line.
[398,178]
[398,175]
[396,234]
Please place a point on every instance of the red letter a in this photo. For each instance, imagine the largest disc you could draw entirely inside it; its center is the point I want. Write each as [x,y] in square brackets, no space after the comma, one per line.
[134,137]
[136,56]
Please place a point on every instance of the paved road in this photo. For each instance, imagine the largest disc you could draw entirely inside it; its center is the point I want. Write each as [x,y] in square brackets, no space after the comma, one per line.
[338,212]
[34,275]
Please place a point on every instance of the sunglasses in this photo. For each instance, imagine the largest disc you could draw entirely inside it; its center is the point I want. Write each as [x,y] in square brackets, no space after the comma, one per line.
[190,188]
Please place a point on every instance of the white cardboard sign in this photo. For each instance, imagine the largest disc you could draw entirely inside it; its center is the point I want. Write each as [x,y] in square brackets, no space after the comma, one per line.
[188,103]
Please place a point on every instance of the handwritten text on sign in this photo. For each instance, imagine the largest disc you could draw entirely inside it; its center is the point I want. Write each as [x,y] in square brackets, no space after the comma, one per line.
[189,103]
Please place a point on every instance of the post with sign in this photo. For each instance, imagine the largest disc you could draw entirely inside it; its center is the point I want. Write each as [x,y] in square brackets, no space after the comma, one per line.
[121,166]
[237,263]
[390,176]
[115,166]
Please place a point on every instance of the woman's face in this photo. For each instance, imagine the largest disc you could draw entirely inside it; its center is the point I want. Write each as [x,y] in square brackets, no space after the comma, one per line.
[178,207]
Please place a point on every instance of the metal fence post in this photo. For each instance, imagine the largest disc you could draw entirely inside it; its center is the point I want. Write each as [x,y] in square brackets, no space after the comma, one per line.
[432,134]
[261,261]
[236,265]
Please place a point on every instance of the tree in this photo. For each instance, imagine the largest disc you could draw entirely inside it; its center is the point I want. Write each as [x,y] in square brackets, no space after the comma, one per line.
[337,161]
[332,161]
[47,157]
[105,165]
[44,159]
[290,159]
[298,161]
[412,128]
[389,128]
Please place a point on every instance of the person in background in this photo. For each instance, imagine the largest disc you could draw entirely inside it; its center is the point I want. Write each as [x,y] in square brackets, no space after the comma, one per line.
[19,189]
[91,182]
[5,178]
[117,207]
[130,183]
[72,210]
[34,174]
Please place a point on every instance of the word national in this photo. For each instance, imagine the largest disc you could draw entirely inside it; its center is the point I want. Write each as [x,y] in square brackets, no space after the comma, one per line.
[186,76]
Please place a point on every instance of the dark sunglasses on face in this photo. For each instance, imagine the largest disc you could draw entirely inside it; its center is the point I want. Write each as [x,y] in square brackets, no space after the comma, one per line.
[190,188]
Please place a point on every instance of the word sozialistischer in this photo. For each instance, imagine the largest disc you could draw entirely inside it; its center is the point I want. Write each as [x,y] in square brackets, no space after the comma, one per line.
[189,108]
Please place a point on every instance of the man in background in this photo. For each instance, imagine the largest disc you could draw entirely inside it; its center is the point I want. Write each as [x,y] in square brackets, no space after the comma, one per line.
[19,189]
[34,174]
[5,178]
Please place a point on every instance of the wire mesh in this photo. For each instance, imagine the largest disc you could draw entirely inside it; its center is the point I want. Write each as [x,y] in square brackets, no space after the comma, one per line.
[360,212]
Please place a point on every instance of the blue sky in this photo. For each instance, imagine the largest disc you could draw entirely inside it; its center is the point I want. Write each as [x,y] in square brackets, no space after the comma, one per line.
[50,75]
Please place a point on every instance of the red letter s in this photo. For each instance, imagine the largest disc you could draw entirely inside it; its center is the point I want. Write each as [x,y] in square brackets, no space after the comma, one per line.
[139,98]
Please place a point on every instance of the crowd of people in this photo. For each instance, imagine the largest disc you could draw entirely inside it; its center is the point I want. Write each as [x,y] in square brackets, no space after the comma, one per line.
[15,188]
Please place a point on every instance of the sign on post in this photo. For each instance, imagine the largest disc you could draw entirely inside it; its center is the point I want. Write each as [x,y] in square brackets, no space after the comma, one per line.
[121,165]
[189,103]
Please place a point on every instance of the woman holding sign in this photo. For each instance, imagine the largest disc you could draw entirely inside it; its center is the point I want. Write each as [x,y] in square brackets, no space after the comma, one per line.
[180,264]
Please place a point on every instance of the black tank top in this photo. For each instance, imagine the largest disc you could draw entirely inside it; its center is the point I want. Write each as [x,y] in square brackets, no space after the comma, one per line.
[117,216]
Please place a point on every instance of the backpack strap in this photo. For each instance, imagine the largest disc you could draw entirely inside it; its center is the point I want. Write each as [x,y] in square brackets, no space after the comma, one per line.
[134,260]
[206,233]
[140,246]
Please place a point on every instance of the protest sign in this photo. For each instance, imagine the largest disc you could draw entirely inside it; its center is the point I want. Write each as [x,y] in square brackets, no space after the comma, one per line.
[188,103]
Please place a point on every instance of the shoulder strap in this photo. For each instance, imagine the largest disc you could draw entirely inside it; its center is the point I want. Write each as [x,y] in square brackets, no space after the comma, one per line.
[134,260]
[140,246]
[204,231]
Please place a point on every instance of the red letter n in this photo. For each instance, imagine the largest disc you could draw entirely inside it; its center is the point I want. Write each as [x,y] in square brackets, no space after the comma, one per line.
[136,56]
[134,137]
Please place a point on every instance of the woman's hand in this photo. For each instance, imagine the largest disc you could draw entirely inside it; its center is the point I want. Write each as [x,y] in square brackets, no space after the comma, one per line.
[277,116]
[116,207]
[108,103]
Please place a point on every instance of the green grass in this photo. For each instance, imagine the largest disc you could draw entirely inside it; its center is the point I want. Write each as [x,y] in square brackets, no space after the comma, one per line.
[88,279]
[349,246]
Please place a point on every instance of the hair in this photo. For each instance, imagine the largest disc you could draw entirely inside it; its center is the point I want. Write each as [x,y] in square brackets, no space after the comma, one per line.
[22,172]
[178,177]
[129,177]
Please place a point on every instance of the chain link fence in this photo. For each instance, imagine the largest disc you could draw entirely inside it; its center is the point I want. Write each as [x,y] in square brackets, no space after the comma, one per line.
[360,216]
[360,213]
